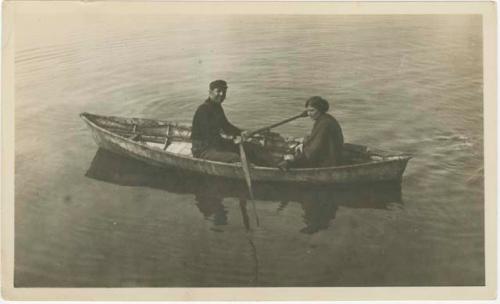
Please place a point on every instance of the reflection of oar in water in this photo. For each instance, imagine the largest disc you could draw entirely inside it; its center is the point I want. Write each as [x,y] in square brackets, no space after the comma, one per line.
[246,222]
[244,161]
[244,213]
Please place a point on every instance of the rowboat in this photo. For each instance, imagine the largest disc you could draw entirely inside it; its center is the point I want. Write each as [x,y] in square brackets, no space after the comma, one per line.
[167,144]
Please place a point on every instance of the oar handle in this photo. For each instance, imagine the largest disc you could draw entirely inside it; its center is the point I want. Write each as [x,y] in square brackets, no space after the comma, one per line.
[303,114]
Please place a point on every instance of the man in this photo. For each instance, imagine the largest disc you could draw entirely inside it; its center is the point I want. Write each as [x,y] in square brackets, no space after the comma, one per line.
[209,122]
[323,147]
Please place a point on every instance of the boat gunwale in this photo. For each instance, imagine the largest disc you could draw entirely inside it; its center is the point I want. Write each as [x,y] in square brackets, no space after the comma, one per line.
[84,116]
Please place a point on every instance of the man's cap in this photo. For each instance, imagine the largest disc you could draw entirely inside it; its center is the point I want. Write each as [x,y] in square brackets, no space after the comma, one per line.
[220,84]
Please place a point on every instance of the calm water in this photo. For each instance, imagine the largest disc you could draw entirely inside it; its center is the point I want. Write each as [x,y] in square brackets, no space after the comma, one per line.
[85,217]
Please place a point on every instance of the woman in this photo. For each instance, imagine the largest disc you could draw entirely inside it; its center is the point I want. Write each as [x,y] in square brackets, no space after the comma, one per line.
[323,147]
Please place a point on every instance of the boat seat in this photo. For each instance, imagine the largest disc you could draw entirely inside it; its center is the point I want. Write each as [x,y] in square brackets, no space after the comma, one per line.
[179,147]
[135,137]
[176,147]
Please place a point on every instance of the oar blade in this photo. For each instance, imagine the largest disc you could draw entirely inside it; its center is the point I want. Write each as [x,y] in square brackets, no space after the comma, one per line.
[246,170]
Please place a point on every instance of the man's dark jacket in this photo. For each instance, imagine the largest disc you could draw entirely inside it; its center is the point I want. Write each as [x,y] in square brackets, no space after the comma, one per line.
[209,122]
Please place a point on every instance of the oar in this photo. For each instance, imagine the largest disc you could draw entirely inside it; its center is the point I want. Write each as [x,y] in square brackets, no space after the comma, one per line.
[244,162]
[246,172]
[244,214]
[303,114]
[243,207]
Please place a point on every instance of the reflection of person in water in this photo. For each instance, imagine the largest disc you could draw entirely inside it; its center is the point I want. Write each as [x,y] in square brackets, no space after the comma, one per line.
[319,205]
[209,201]
[319,209]
[212,206]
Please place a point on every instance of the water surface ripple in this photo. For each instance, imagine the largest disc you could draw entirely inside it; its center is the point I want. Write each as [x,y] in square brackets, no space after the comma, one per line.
[85,218]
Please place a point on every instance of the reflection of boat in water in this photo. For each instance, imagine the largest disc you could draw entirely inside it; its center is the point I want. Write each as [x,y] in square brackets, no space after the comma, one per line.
[318,202]
[167,144]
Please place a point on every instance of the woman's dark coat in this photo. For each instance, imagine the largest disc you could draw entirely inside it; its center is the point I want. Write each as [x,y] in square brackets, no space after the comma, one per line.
[323,147]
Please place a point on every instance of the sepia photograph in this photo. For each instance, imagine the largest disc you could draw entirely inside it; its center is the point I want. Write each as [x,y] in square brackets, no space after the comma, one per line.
[210,150]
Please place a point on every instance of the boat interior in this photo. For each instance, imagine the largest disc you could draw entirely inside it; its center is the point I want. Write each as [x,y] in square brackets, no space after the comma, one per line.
[174,138]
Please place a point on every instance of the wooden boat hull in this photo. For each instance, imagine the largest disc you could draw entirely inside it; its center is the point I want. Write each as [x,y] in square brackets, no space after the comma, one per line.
[125,171]
[387,169]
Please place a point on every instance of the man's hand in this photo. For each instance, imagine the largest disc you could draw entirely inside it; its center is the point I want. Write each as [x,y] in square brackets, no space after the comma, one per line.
[237,140]
[244,135]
